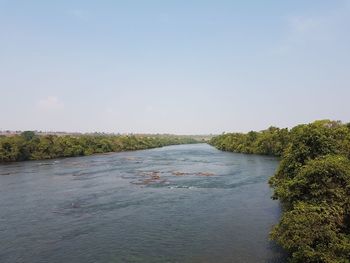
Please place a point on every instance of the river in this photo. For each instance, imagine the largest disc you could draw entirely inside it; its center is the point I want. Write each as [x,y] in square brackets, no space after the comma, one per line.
[184,203]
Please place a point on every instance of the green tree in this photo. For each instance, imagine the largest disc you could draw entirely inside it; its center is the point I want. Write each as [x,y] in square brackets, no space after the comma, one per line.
[28,135]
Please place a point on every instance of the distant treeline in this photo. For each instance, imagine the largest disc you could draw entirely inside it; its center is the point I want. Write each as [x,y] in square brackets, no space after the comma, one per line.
[269,142]
[29,146]
[312,182]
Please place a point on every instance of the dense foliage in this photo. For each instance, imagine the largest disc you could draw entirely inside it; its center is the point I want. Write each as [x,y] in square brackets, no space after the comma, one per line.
[270,142]
[29,146]
[313,184]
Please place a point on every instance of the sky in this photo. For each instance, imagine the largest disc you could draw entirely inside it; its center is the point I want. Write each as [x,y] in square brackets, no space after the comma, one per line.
[183,67]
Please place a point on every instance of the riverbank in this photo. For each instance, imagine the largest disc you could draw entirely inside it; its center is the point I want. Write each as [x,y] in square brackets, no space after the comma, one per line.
[29,146]
[312,182]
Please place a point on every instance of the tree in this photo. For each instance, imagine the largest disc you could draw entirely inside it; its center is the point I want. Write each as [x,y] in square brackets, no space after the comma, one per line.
[28,135]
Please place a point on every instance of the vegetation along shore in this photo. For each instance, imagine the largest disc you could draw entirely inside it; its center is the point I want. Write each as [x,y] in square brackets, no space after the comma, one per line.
[29,146]
[312,182]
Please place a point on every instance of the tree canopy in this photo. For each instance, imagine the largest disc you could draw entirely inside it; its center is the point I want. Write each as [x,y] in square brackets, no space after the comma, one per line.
[29,146]
[312,182]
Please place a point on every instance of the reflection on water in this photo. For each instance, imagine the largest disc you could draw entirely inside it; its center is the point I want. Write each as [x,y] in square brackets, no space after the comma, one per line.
[187,203]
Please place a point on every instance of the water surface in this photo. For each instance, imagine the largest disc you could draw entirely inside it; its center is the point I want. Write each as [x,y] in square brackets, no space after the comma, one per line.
[186,203]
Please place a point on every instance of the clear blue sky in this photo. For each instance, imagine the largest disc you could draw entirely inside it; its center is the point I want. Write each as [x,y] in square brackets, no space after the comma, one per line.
[186,67]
